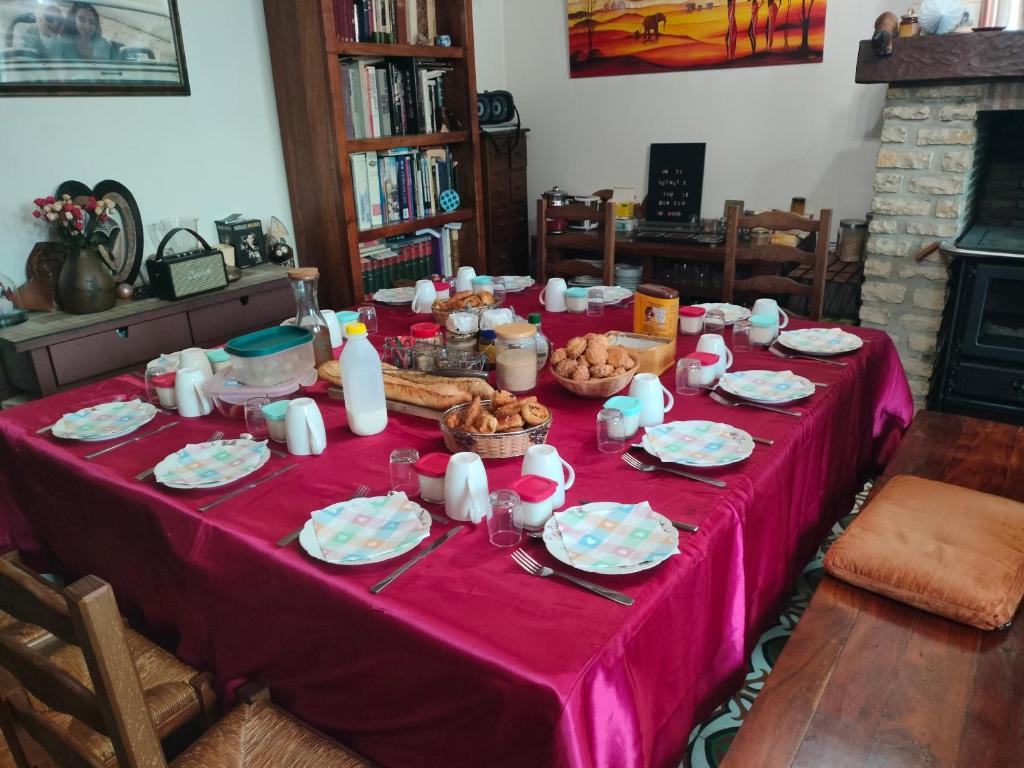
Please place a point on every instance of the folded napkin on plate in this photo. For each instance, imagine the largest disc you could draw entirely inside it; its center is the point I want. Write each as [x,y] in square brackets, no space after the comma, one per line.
[367,528]
[610,536]
[212,462]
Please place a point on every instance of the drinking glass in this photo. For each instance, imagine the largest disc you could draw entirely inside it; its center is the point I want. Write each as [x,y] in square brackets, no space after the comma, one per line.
[595,302]
[611,431]
[255,419]
[714,322]
[403,471]
[499,291]
[368,317]
[688,373]
[504,523]
[741,341]
[155,370]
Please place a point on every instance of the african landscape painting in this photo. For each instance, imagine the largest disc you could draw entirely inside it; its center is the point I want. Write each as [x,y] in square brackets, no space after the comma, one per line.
[628,37]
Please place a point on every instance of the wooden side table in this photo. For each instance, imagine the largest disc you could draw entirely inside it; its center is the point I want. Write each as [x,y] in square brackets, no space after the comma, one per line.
[54,350]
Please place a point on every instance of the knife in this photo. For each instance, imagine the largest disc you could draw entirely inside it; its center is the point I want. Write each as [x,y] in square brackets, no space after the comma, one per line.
[115,446]
[388,579]
[688,527]
[247,487]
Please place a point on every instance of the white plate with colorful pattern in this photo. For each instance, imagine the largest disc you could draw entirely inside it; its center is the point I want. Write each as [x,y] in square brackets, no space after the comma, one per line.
[613,294]
[395,296]
[367,530]
[211,464]
[733,312]
[105,421]
[705,444]
[772,387]
[820,341]
[556,544]
[517,283]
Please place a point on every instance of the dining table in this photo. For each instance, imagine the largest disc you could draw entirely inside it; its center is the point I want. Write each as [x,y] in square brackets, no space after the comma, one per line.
[466,660]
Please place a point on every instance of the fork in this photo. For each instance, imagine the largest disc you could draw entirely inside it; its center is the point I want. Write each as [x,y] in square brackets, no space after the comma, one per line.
[284,541]
[143,475]
[787,356]
[635,463]
[733,404]
[534,568]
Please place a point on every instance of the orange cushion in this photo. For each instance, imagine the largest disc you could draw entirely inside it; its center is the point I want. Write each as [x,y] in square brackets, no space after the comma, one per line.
[945,549]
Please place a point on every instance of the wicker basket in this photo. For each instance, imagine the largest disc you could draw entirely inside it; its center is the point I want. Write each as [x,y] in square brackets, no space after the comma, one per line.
[597,388]
[501,445]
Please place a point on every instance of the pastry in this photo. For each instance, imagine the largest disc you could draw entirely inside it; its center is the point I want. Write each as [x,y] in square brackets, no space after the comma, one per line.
[577,346]
[558,356]
[601,371]
[565,368]
[596,354]
[619,358]
[582,373]
[502,398]
[535,413]
[510,422]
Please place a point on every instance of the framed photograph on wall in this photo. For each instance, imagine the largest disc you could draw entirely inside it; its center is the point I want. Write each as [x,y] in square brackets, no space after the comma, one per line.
[99,48]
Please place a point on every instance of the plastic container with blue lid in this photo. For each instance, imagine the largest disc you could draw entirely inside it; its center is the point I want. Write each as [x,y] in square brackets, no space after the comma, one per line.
[271,356]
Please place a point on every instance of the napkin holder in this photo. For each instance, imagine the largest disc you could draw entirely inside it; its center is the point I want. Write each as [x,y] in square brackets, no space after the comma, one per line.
[654,354]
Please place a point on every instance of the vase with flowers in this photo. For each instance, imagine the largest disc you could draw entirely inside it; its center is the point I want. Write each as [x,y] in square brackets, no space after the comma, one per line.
[86,282]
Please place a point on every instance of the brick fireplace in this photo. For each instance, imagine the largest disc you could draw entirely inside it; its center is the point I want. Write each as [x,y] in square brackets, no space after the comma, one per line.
[928,165]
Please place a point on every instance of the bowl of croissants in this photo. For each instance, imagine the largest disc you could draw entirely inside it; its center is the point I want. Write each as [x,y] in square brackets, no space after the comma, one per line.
[591,366]
[463,301]
[500,428]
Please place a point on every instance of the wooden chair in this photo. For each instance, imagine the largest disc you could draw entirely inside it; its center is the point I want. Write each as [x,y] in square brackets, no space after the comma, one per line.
[604,215]
[777,255]
[34,617]
[256,733]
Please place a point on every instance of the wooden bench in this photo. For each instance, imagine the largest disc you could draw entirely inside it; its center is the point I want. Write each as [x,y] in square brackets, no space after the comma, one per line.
[866,681]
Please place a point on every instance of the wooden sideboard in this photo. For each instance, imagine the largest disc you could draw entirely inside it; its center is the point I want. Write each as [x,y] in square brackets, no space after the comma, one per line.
[506,213]
[53,350]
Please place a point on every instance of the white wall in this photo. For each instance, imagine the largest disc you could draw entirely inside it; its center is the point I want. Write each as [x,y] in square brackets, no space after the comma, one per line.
[215,152]
[489,39]
[764,146]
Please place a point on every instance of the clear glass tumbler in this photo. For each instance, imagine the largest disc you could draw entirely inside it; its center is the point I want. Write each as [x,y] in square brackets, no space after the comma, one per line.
[595,302]
[368,317]
[714,322]
[688,374]
[256,419]
[611,431]
[403,471]
[504,523]
[499,291]
[741,341]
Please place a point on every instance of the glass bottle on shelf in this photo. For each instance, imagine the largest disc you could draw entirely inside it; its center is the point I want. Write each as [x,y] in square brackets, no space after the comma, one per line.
[543,347]
[307,312]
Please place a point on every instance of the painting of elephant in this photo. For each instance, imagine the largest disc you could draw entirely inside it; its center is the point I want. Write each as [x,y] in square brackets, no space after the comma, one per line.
[651,29]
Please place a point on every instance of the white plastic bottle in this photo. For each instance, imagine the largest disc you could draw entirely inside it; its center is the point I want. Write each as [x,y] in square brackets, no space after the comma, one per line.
[363,382]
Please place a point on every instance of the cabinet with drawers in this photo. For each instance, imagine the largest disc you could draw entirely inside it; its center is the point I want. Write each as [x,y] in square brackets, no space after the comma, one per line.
[54,350]
[506,213]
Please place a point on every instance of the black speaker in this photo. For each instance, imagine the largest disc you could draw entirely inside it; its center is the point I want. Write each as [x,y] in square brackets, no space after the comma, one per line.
[494,107]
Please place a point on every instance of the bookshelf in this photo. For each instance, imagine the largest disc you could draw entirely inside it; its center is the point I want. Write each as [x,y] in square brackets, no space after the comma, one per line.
[306,53]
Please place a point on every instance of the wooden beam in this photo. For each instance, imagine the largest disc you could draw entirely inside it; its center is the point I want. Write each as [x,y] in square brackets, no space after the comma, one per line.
[946,58]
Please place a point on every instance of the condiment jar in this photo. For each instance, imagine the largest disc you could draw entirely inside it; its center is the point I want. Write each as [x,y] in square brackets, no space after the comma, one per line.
[430,470]
[163,384]
[853,234]
[516,357]
[536,495]
[629,407]
[798,206]
[219,359]
[691,320]
[576,300]
[708,363]
[763,329]
[427,339]
[910,26]
[487,346]
[483,283]
[462,342]
[443,289]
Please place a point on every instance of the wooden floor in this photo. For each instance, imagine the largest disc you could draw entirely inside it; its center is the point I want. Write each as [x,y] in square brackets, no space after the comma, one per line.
[865,681]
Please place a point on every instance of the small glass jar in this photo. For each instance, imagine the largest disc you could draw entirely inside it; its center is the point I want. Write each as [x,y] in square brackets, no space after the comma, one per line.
[910,26]
[798,206]
[853,234]
[483,283]
[462,342]
[487,346]
[629,407]
[516,357]
[576,300]
[763,330]
[691,321]
[537,495]
[443,289]
[430,470]
[706,374]
[427,340]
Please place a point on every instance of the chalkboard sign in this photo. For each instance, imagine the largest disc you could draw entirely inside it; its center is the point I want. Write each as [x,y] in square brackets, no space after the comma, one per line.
[675,182]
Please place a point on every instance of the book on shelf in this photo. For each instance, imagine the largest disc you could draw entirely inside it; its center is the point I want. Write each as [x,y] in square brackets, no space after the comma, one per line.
[394,97]
[376,21]
[407,258]
[400,184]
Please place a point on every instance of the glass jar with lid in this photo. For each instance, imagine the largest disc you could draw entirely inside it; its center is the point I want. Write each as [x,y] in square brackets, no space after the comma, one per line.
[516,357]
[307,311]
[427,339]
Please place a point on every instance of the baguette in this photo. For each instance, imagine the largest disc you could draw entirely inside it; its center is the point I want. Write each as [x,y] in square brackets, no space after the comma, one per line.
[435,396]
[473,386]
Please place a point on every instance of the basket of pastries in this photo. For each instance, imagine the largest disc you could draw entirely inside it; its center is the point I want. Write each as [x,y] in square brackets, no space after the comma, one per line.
[463,301]
[500,428]
[591,366]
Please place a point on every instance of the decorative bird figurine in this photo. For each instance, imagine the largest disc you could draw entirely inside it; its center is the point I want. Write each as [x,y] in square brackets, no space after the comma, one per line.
[887,29]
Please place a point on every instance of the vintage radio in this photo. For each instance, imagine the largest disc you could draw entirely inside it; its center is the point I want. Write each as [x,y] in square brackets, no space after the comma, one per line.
[181,275]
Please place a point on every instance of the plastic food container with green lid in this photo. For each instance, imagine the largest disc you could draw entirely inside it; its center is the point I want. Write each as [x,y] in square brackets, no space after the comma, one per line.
[273,355]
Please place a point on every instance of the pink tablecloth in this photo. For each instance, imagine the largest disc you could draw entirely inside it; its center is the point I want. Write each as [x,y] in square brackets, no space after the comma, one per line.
[465,660]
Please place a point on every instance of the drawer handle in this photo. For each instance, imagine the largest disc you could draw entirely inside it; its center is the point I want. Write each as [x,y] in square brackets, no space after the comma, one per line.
[1018,387]
[122,332]
[244,301]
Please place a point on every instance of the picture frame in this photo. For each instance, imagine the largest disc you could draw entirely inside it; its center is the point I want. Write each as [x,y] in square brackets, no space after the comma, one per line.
[95,48]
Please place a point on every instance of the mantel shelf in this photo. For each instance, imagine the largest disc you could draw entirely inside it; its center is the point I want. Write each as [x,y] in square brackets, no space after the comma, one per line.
[969,57]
